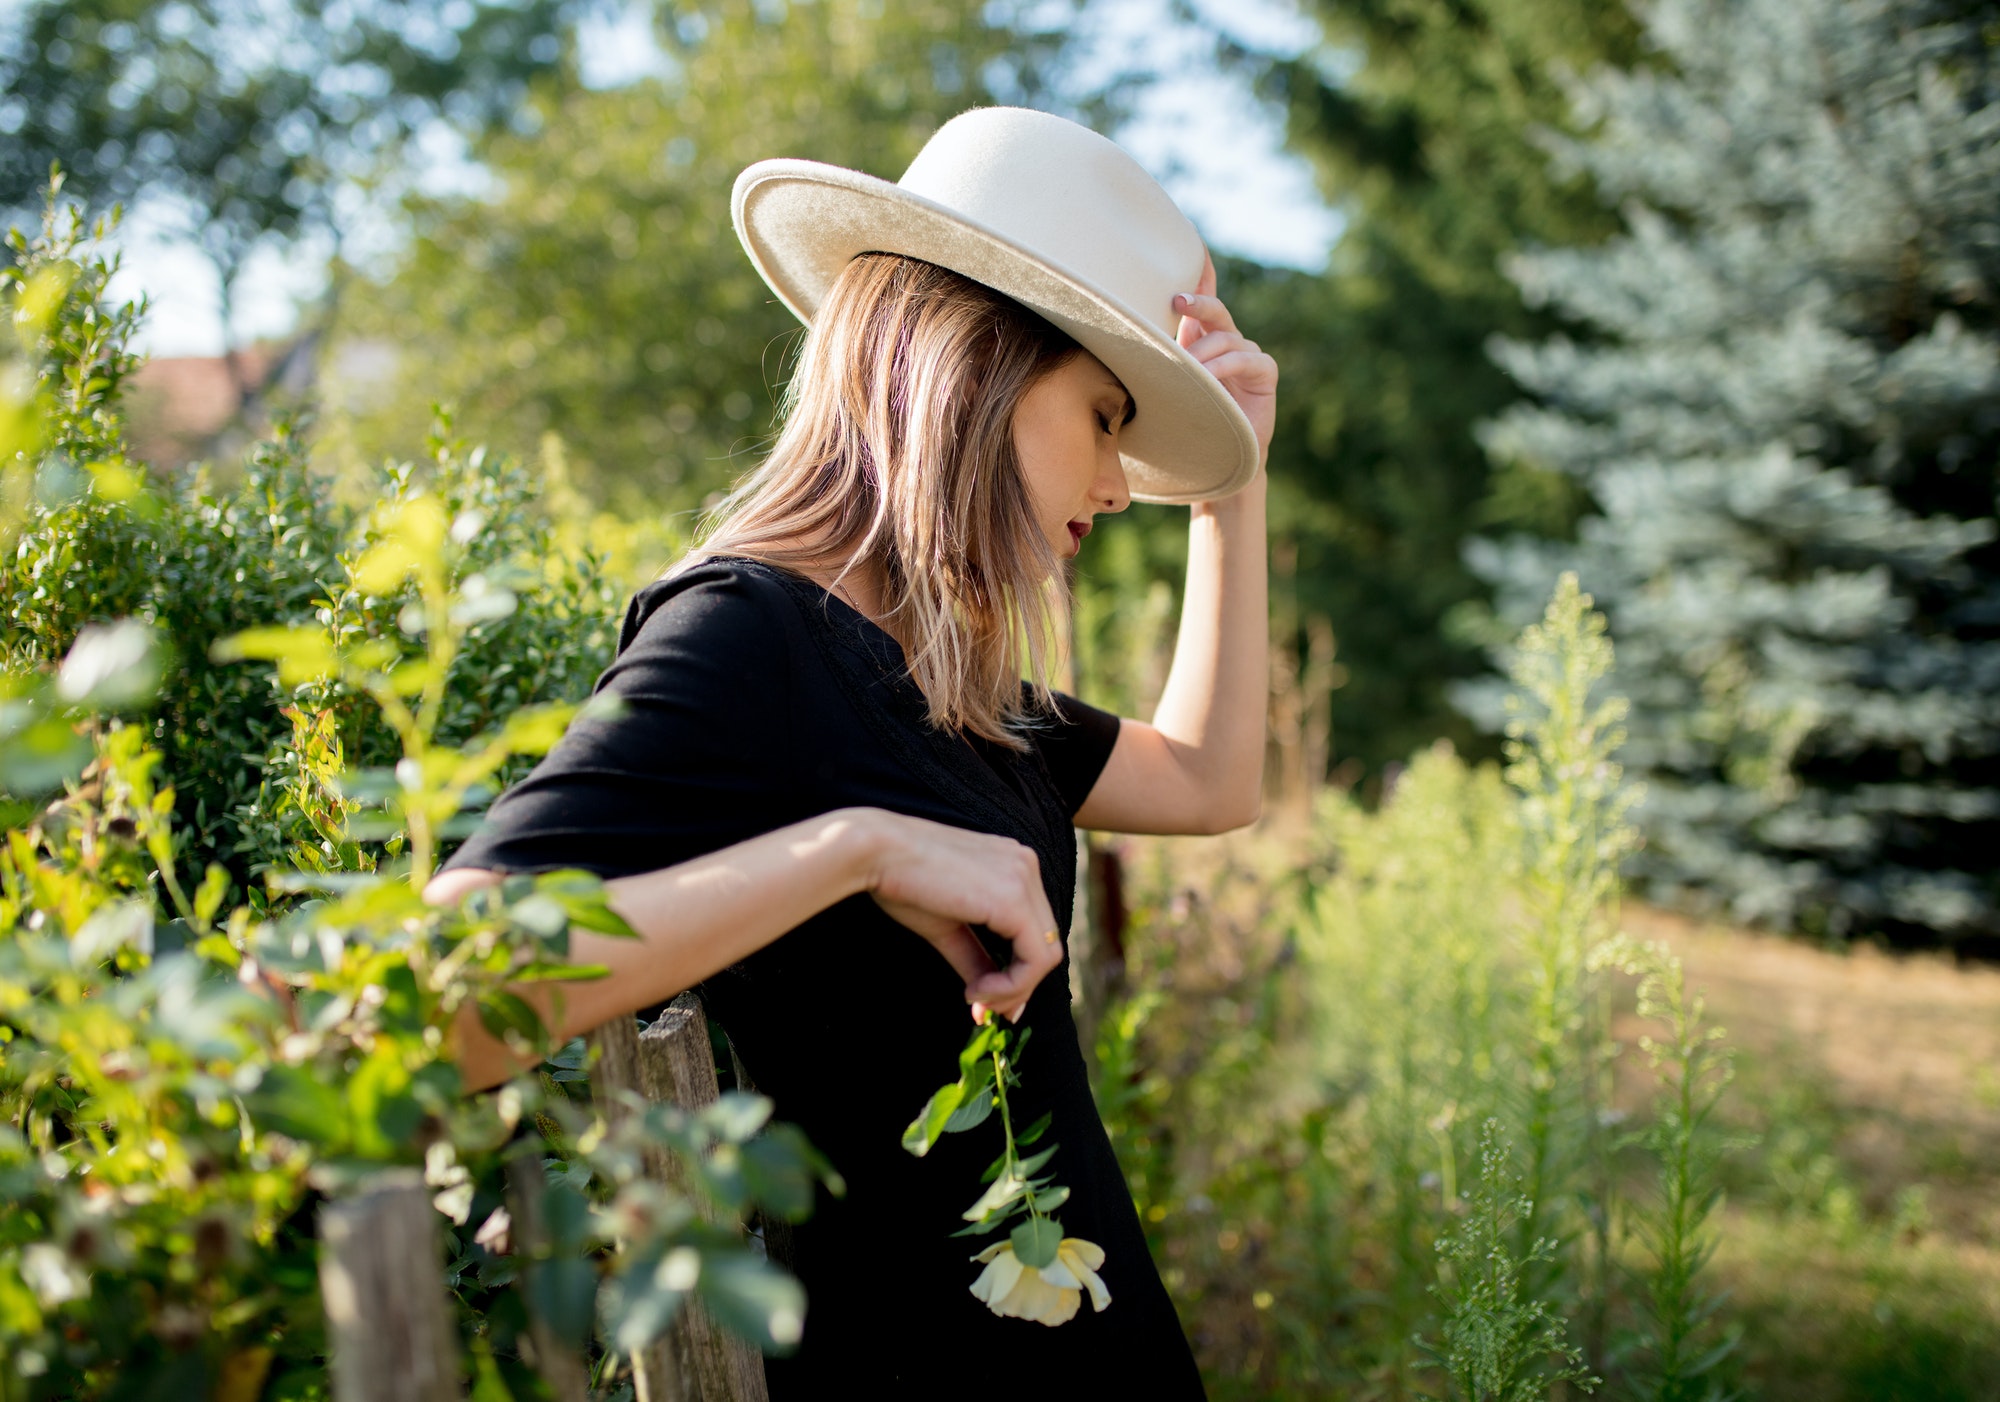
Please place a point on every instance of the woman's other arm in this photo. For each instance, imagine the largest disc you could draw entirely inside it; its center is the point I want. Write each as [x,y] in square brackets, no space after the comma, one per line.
[1199,767]
[699,917]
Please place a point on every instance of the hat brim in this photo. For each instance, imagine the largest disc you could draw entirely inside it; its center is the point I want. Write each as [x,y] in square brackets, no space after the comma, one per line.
[803,221]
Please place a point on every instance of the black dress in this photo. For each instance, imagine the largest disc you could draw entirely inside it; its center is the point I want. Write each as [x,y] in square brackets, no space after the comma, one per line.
[754,699]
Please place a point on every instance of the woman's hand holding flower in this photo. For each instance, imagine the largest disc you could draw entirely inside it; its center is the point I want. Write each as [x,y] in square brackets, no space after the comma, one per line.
[940,881]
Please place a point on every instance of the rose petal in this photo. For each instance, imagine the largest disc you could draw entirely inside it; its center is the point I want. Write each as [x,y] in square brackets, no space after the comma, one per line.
[1079,1264]
[1031,1298]
[994,1250]
[1067,1303]
[1059,1275]
[1100,1294]
[1089,1252]
[998,1279]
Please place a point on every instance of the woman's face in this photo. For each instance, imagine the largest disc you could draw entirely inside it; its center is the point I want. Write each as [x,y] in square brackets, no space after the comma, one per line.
[1066,434]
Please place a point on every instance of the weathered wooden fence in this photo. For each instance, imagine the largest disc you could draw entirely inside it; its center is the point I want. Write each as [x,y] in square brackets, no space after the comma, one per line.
[389,1321]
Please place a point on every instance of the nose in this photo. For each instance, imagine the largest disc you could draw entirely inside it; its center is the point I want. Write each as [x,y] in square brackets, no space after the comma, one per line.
[1109,493]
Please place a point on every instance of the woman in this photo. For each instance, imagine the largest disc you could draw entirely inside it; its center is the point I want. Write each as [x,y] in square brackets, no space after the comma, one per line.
[826,745]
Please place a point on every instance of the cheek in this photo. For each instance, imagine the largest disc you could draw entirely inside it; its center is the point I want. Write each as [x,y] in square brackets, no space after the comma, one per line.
[1058,463]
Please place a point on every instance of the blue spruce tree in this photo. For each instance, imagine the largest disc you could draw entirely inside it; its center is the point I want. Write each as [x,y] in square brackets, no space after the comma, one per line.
[1783,426]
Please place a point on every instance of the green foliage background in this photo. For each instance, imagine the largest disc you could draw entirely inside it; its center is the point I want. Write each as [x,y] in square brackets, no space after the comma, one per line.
[601,293]
[1786,417]
[1420,118]
[588,307]
[1362,1083]
[203,561]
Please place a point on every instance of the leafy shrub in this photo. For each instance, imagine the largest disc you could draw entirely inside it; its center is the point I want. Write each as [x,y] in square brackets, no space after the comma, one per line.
[539,620]
[199,561]
[182,1082]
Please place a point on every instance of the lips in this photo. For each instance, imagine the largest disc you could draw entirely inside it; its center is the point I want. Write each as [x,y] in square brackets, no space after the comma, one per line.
[1078,530]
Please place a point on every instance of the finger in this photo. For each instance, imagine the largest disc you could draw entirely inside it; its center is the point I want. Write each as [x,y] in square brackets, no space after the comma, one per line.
[448,887]
[983,1013]
[1009,999]
[1034,958]
[1029,925]
[966,955]
[1249,370]
[1201,313]
[1217,342]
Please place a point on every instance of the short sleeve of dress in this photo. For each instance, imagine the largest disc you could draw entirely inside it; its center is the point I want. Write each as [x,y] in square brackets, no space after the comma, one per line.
[1076,745]
[692,757]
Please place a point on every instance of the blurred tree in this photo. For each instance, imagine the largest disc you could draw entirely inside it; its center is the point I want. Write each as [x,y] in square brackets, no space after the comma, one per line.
[600,292]
[251,111]
[1789,425]
[1421,119]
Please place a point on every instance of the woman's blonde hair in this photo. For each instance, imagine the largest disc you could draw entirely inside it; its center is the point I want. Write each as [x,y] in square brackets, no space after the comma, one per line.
[897,450]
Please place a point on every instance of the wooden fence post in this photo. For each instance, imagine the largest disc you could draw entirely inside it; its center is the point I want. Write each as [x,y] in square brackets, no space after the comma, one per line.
[696,1360]
[556,1359]
[389,1326]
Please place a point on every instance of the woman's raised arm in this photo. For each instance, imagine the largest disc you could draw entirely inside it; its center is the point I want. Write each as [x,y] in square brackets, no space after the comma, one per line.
[1199,767]
[699,917]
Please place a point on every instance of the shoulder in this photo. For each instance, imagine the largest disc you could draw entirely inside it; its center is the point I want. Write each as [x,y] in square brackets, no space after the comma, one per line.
[1063,716]
[722,600]
[723,631]
[1075,740]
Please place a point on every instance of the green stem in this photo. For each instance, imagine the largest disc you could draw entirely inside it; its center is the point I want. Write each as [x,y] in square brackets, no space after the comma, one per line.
[1007,1121]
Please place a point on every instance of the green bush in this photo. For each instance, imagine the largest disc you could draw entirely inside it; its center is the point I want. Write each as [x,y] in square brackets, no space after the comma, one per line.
[182,1082]
[199,561]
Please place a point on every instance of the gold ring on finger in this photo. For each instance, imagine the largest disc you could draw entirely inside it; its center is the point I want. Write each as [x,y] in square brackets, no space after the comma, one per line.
[1049,937]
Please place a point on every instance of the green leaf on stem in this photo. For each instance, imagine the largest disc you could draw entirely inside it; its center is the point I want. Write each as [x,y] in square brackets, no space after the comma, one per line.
[736,1116]
[563,1295]
[961,1105]
[542,972]
[1035,1242]
[754,1299]
[290,1100]
[972,1114]
[997,1198]
[581,895]
[540,915]
[1026,1167]
[928,1126]
[501,1012]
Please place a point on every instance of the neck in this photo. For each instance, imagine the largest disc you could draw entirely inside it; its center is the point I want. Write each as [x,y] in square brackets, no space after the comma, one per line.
[861,586]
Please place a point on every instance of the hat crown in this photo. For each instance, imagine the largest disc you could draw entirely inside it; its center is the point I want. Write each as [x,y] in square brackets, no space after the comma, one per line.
[1069,196]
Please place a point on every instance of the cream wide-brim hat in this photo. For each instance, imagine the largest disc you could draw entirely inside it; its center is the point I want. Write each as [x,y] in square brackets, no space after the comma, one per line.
[1059,219]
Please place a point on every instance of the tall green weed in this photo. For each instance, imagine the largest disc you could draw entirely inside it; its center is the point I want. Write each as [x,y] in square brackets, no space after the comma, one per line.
[1406,1175]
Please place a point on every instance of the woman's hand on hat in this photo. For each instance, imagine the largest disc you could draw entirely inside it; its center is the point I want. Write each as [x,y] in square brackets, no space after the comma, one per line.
[940,881]
[1209,334]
